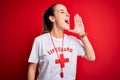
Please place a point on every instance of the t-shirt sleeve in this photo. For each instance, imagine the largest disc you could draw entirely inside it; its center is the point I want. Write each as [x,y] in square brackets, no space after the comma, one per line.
[34,55]
[80,48]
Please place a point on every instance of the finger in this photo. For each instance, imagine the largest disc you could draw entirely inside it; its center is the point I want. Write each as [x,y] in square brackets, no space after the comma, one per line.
[81,22]
[77,18]
[75,21]
[80,19]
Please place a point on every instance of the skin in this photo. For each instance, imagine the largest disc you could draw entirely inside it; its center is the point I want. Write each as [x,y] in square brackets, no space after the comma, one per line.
[59,25]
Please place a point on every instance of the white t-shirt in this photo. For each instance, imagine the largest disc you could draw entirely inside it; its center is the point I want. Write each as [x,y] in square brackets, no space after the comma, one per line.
[44,53]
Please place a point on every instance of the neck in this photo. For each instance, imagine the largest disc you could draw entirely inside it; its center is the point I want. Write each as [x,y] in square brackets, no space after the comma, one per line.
[57,33]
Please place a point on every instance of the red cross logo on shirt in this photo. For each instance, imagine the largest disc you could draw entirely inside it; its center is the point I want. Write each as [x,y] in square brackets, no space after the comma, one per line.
[61,61]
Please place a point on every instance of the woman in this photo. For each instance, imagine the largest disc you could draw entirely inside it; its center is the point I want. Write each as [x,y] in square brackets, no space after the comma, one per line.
[56,53]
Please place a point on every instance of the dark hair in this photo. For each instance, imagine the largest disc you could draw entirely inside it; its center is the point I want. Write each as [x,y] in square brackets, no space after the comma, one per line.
[47,24]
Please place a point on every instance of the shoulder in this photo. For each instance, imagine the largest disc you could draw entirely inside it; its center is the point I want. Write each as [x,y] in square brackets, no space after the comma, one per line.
[42,37]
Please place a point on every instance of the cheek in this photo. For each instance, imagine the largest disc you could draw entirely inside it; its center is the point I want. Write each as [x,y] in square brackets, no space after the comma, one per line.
[61,19]
[60,22]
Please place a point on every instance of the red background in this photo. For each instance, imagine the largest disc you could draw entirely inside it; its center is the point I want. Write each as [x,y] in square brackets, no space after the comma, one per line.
[21,22]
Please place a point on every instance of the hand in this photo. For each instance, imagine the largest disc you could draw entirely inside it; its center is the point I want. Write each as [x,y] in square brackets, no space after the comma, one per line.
[78,25]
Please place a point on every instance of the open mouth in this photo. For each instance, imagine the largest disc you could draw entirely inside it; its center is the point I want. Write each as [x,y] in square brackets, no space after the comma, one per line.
[67,21]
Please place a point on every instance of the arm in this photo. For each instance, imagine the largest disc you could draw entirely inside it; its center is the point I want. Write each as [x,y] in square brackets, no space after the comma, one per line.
[31,71]
[79,29]
[89,51]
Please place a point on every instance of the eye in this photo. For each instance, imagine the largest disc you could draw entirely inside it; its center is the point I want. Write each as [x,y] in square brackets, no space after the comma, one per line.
[62,12]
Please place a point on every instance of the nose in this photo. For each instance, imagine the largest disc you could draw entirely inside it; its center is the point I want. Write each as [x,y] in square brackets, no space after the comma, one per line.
[67,14]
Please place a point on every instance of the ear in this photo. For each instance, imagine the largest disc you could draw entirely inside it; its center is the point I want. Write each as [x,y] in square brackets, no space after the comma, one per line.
[52,18]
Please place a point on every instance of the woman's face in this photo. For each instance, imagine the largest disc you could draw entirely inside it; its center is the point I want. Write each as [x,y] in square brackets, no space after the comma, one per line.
[62,17]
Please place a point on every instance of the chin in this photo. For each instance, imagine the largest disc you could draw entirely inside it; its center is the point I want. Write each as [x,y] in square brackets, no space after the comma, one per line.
[67,27]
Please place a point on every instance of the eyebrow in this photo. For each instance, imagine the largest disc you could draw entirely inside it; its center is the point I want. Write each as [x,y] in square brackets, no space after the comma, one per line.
[61,10]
